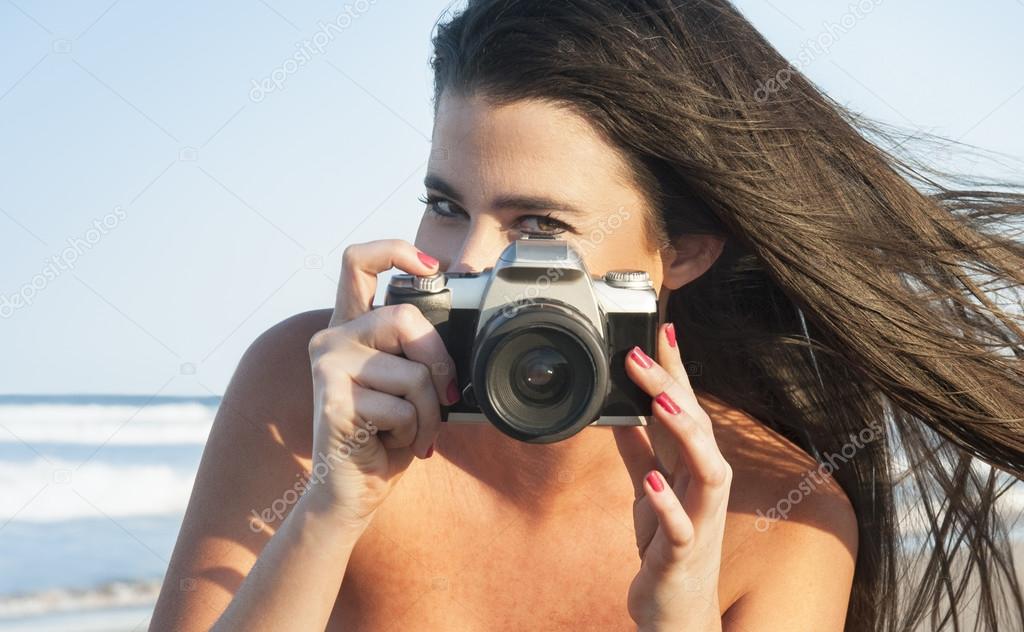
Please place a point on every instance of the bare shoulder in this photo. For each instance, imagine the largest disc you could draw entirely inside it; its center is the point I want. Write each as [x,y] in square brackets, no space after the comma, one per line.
[291,335]
[274,371]
[789,520]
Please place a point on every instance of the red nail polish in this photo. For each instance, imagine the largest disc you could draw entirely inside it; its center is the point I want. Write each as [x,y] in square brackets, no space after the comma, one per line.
[427,259]
[670,333]
[666,402]
[453,392]
[655,481]
[430,451]
[641,358]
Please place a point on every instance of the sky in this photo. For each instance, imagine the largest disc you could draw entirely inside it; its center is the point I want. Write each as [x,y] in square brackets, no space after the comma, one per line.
[173,182]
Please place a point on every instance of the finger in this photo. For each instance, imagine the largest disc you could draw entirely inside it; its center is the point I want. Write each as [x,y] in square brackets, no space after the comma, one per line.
[665,446]
[670,359]
[637,454]
[710,475]
[677,531]
[404,330]
[665,449]
[394,416]
[645,522]
[407,379]
[360,265]
[669,355]
[654,380]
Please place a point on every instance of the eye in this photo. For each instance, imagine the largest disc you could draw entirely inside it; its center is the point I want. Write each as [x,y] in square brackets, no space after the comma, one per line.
[436,205]
[545,225]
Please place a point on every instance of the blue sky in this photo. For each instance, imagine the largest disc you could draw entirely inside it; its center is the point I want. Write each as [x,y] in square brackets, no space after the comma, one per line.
[188,212]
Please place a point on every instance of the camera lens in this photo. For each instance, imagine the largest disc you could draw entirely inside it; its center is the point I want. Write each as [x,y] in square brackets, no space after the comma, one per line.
[540,371]
[541,376]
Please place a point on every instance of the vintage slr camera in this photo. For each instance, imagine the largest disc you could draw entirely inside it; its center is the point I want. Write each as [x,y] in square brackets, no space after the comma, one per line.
[539,344]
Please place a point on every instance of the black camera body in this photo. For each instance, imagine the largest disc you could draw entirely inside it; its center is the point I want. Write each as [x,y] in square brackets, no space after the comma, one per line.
[539,344]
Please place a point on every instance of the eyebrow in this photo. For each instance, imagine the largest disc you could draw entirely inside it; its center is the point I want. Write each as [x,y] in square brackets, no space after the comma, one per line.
[506,202]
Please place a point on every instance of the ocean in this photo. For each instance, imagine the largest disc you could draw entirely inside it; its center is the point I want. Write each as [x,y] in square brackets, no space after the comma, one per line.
[92,493]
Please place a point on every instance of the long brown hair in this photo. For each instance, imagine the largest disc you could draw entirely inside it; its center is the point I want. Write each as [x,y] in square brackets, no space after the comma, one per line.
[859,287]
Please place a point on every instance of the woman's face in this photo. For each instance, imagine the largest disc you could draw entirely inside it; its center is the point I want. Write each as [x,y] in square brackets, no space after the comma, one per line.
[498,173]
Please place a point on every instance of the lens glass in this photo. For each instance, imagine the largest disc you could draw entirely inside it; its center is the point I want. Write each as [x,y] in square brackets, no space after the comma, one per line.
[542,376]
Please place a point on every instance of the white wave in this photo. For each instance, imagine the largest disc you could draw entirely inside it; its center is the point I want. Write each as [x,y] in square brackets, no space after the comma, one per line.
[111,595]
[54,490]
[104,423]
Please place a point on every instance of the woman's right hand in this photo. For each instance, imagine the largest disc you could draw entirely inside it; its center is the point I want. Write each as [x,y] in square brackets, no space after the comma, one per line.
[373,409]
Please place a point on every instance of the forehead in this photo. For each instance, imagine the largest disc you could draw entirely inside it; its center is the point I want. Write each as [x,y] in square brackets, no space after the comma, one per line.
[525,147]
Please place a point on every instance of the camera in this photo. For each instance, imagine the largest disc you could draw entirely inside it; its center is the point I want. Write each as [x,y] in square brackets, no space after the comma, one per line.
[539,343]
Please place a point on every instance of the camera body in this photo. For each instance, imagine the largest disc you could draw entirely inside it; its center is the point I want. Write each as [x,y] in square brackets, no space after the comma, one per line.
[539,344]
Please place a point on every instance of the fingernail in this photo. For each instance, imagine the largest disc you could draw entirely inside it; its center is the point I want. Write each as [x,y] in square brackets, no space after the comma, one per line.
[641,358]
[453,392]
[427,259]
[666,402]
[655,481]
[430,451]
[670,333]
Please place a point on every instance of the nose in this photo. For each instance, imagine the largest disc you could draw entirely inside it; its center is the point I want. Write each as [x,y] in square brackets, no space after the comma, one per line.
[479,249]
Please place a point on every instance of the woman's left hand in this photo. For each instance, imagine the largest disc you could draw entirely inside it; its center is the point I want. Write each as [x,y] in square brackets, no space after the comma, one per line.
[681,483]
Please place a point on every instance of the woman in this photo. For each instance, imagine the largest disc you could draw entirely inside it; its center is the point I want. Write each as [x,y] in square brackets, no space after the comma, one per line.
[829,312]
